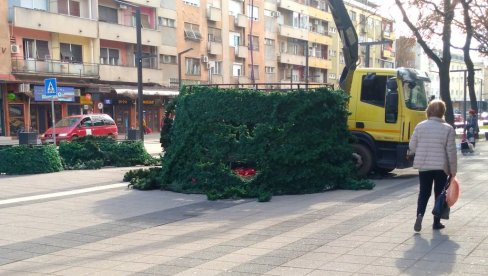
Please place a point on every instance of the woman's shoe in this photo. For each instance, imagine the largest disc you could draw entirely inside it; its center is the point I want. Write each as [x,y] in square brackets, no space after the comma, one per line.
[418,223]
[438,226]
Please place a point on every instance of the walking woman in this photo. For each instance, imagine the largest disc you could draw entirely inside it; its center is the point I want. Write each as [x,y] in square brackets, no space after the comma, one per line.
[434,146]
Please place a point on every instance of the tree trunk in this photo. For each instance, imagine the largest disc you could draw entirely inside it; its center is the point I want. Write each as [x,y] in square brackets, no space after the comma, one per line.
[467,57]
[445,93]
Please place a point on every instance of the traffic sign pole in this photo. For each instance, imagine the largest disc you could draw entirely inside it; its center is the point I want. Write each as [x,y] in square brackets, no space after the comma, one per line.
[51,89]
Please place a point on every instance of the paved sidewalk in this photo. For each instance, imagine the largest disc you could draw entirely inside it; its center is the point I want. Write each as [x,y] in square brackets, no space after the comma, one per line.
[118,231]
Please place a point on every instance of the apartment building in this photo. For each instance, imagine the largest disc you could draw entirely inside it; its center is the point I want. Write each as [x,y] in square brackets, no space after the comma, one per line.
[90,47]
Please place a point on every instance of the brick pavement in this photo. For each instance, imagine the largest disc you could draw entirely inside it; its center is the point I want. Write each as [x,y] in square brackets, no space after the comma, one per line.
[118,231]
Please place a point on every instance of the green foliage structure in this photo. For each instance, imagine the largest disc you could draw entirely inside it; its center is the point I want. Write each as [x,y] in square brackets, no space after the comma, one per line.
[28,159]
[296,142]
[94,152]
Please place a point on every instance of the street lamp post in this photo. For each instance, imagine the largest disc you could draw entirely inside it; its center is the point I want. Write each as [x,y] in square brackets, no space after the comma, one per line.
[179,66]
[139,65]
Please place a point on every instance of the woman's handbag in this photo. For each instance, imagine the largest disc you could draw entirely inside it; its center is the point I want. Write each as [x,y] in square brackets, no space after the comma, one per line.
[452,193]
[441,209]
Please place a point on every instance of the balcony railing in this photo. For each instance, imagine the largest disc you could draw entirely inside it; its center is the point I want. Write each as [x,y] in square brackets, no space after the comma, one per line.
[55,67]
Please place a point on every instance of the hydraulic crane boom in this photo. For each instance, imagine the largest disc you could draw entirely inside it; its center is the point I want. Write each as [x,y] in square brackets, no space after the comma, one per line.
[349,39]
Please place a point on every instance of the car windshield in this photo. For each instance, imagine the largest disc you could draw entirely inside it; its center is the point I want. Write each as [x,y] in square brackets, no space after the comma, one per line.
[67,122]
[415,96]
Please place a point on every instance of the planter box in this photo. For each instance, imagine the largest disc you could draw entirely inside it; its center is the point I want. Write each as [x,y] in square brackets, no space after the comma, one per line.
[133,134]
[28,138]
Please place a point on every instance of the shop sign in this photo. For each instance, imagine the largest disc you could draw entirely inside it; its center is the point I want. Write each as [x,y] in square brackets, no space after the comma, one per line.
[107,101]
[64,94]
[86,100]
[122,101]
[152,102]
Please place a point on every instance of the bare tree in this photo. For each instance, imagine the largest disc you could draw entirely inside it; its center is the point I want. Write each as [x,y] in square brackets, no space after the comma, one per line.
[479,17]
[405,53]
[434,19]
[468,27]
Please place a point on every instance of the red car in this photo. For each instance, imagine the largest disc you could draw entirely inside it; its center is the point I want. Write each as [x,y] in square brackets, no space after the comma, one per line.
[81,125]
[458,120]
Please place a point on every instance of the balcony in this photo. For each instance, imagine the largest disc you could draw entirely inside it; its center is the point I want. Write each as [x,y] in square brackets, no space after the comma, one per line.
[319,63]
[292,6]
[54,23]
[214,14]
[127,34]
[319,38]
[55,68]
[129,74]
[241,20]
[389,35]
[317,13]
[291,59]
[240,51]
[292,32]
[214,48]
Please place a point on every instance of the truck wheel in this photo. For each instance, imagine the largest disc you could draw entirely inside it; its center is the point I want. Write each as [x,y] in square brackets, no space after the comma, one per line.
[363,158]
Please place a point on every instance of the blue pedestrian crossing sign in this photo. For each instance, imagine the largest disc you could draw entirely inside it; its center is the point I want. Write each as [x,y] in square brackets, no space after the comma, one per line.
[50,87]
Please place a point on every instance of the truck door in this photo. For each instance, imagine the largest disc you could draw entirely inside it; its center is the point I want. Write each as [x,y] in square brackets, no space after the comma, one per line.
[370,110]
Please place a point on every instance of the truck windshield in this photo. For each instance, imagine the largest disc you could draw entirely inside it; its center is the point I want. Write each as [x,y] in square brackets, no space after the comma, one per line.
[415,96]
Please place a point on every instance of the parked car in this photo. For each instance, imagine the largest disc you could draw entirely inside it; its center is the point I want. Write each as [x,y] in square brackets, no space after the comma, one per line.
[458,120]
[484,118]
[81,125]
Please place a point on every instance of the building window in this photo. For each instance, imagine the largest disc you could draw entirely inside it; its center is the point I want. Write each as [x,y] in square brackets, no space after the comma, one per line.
[237,70]
[234,39]
[214,35]
[69,7]
[332,30]
[71,52]
[269,70]
[109,56]
[144,21]
[341,58]
[216,69]
[332,76]
[106,14]
[269,42]
[192,31]
[168,59]
[253,12]
[235,7]
[192,66]
[332,53]
[195,3]
[36,49]
[166,22]
[255,71]
[254,42]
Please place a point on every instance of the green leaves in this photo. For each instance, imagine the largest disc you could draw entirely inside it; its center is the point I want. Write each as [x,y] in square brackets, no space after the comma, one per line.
[297,141]
[25,159]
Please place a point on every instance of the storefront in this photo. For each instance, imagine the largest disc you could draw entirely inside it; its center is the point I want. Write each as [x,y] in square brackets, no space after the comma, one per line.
[122,113]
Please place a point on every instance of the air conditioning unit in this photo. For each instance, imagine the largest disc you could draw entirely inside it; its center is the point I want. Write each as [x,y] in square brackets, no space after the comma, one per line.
[277,14]
[14,49]
[204,59]
[24,87]
[209,65]
[122,7]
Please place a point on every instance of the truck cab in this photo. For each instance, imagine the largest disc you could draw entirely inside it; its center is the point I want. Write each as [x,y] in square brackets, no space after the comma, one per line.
[385,104]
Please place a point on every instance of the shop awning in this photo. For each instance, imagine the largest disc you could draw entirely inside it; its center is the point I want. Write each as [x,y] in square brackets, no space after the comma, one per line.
[148,92]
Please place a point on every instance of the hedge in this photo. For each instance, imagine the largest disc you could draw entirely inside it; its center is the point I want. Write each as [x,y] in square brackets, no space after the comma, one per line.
[93,152]
[245,143]
[29,159]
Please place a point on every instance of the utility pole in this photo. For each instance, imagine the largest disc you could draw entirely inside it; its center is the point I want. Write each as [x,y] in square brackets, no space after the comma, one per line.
[368,45]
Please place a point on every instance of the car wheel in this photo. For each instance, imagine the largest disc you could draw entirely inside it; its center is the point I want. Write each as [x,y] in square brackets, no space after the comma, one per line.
[363,159]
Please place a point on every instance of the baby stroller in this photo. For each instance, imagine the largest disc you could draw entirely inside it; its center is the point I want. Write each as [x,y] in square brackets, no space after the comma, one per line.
[466,146]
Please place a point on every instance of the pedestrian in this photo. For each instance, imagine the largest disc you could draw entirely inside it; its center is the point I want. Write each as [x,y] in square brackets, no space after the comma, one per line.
[434,146]
[471,129]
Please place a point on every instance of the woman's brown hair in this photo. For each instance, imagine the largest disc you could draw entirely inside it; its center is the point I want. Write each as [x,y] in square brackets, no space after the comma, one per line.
[436,108]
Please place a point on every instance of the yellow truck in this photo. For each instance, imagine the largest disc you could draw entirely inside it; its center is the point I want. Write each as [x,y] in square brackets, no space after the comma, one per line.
[385,104]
